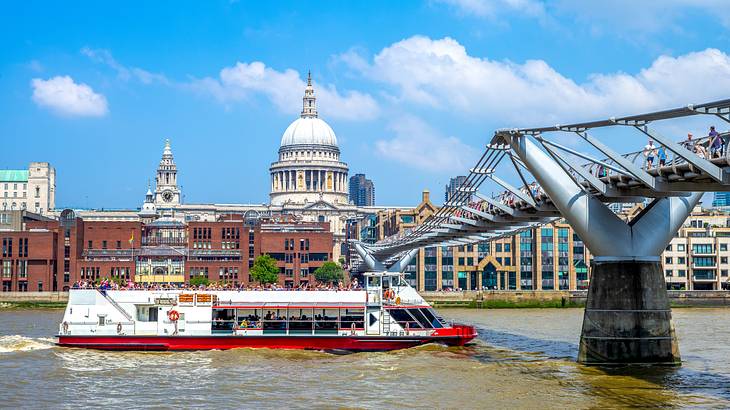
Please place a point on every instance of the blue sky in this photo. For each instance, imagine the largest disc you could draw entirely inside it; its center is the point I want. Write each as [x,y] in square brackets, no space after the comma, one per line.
[412,89]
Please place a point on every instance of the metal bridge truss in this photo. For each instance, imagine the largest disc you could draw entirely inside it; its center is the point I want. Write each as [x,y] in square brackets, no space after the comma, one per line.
[557,180]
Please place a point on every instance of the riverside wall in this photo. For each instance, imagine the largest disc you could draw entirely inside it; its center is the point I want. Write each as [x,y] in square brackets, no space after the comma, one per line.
[506,298]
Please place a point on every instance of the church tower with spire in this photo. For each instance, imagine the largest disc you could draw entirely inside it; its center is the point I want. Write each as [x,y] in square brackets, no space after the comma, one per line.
[167,193]
[309,101]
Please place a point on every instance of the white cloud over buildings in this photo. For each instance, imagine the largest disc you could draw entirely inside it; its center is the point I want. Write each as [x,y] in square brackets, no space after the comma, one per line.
[441,74]
[63,96]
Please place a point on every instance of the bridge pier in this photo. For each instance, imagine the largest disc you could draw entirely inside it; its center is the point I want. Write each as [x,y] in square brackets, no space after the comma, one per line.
[627,318]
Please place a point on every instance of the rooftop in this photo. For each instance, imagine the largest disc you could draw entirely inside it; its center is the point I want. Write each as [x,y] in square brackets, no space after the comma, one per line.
[13,175]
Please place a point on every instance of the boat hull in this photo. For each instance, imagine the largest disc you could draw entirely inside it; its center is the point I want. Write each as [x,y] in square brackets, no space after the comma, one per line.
[326,343]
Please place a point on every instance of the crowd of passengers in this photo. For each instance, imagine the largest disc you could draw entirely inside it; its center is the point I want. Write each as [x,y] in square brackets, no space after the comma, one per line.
[107,284]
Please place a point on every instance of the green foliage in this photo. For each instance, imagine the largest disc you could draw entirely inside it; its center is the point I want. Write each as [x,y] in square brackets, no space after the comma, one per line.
[329,272]
[199,280]
[264,269]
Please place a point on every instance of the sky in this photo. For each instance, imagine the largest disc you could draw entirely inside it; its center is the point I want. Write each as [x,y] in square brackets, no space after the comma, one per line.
[413,89]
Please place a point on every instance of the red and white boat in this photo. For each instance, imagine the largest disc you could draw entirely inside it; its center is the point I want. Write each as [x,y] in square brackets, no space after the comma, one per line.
[387,315]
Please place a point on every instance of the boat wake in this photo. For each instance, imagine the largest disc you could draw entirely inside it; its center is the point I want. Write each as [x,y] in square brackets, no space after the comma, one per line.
[17,343]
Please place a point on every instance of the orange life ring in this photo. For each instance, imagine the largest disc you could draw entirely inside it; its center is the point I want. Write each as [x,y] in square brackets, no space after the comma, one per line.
[173,315]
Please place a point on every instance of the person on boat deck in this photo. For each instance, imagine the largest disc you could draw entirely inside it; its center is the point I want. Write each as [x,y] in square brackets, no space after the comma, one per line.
[244,323]
[268,316]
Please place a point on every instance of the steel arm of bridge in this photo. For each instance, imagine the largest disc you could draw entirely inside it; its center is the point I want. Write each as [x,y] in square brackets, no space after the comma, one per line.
[368,258]
[401,264]
[376,265]
[605,234]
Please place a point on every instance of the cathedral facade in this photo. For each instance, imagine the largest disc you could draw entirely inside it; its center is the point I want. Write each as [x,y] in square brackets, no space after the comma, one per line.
[309,169]
[309,182]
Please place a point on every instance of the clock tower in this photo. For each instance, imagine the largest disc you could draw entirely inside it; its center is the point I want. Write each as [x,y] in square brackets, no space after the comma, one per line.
[167,192]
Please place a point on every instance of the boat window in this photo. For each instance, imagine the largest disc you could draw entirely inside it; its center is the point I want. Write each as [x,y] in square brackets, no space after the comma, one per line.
[101,320]
[373,281]
[147,313]
[325,320]
[248,318]
[348,317]
[416,313]
[300,320]
[223,320]
[275,321]
[431,317]
[404,319]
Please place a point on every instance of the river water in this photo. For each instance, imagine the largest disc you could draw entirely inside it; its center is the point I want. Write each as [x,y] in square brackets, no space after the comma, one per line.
[523,358]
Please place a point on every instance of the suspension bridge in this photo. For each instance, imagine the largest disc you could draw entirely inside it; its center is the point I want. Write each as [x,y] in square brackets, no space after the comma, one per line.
[627,317]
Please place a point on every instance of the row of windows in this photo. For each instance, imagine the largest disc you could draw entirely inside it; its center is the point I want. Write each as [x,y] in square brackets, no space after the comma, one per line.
[7,269]
[289,244]
[699,273]
[230,233]
[700,248]
[202,233]
[104,244]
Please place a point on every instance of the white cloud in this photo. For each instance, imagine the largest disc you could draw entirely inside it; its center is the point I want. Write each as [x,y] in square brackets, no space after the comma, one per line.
[284,89]
[418,145]
[123,72]
[63,96]
[441,74]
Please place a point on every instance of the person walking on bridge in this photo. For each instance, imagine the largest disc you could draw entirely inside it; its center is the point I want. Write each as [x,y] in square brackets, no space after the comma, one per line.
[649,154]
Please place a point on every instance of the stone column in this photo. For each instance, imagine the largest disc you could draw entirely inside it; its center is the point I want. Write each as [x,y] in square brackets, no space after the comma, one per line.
[627,317]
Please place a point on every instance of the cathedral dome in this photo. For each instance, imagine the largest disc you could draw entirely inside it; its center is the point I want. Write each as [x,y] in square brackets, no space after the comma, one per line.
[309,131]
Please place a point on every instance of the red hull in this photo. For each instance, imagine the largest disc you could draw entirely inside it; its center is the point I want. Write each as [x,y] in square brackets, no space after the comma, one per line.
[457,336]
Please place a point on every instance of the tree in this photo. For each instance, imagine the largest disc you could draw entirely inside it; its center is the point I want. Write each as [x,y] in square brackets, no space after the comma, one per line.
[199,280]
[264,269]
[329,272]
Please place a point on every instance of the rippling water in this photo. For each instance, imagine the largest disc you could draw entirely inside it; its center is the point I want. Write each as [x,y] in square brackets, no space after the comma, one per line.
[522,358]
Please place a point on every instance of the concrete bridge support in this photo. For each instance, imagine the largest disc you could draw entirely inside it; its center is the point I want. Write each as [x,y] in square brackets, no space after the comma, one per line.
[627,318]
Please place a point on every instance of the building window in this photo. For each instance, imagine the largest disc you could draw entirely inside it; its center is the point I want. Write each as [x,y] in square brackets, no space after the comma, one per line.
[91,245]
[723,246]
[103,244]
[681,273]
[498,247]
[723,259]
[681,260]
[668,260]
[669,247]
[119,244]
[668,272]
[680,247]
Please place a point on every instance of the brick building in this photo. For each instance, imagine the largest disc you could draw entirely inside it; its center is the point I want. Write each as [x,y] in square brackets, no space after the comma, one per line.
[45,254]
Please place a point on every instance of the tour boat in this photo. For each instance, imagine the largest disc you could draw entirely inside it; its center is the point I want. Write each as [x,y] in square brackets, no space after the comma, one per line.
[387,314]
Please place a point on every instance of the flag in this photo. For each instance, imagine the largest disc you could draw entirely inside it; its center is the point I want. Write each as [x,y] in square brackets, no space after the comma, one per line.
[131,239]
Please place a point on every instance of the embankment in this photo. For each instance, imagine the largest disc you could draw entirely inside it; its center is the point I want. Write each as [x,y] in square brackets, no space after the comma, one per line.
[496,299]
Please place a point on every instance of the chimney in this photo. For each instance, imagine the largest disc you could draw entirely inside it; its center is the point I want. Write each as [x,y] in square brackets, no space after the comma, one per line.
[426,196]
